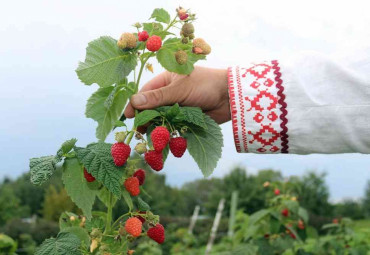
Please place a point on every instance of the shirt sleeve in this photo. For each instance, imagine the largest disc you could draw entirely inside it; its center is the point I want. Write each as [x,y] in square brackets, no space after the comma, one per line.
[306,104]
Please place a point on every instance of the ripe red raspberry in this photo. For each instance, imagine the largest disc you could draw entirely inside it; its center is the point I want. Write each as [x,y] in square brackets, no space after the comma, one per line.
[160,138]
[157,233]
[178,146]
[132,186]
[140,174]
[133,226]
[277,192]
[154,160]
[143,36]
[88,177]
[183,16]
[142,219]
[285,212]
[335,221]
[120,153]
[293,236]
[154,43]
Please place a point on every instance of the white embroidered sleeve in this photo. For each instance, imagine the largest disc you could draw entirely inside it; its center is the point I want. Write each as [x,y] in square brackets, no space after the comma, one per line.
[308,104]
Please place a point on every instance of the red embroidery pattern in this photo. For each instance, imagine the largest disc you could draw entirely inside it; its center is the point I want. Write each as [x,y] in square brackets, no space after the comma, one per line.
[258,109]
[242,113]
[233,109]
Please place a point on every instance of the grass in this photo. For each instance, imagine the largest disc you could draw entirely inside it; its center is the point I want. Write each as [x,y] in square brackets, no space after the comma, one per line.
[361,225]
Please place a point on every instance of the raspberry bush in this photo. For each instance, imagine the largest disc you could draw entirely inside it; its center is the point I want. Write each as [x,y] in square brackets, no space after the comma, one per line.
[111,172]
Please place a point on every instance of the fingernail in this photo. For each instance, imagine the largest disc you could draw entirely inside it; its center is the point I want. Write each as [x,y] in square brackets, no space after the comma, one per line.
[138,99]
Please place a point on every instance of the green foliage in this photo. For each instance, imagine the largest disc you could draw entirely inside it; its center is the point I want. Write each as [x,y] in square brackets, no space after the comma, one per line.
[366,200]
[7,245]
[314,193]
[142,205]
[194,115]
[166,57]
[109,66]
[64,244]
[349,208]
[105,63]
[98,161]
[56,202]
[205,145]
[10,205]
[76,186]
[104,196]
[66,147]
[41,169]
[105,106]
[145,116]
[128,200]
[81,233]
[161,15]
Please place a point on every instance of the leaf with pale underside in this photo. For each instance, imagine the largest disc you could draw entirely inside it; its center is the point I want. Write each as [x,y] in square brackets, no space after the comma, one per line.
[105,63]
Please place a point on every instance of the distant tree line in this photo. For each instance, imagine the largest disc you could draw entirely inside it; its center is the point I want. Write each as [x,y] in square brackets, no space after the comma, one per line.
[20,200]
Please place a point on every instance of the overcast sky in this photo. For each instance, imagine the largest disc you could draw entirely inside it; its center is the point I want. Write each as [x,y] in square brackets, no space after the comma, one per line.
[42,102]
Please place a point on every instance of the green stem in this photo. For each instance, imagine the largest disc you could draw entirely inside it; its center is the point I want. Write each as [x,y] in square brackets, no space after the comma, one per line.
[139,76]
[120,218]
[173,22]
[108,225]
[129,138]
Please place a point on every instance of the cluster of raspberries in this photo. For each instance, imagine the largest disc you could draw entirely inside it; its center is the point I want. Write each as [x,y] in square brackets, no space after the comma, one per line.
[134,227]
[161,138]
[129,41]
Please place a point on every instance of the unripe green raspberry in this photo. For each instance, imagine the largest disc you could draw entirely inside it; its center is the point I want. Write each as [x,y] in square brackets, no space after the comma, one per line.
[120,136]
[185,40]
[127,41]
[187,29]
[96,233]
[191,36]
[140,148]
[201,47]
[137,25]
[181,57]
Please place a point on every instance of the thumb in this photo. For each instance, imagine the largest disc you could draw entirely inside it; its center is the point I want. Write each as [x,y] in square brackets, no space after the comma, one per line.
[158,97]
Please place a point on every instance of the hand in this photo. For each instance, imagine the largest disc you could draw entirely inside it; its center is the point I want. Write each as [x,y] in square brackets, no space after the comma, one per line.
[204,87]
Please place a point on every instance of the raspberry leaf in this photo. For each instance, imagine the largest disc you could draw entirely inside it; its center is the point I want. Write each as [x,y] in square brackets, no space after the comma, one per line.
[303,214]
[205,145]
[166,57]
[172,112]
[105,63]
[153,28]
[103,196]
[65,243]
[98,161]
[66,147]
[145,116]
[106,114]
[126,196]
[41,169]
[142,205]
[81,233]
[194,115]
[77,187]
[161,15]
